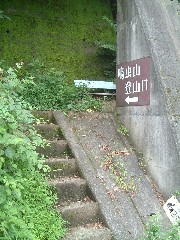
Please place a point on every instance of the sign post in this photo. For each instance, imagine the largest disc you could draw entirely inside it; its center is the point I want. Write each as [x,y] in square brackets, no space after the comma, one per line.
[133,83]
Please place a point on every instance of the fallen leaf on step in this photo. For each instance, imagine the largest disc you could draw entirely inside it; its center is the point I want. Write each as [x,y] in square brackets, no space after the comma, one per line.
[97,225]
[111,194]
[105,147]
[117,153]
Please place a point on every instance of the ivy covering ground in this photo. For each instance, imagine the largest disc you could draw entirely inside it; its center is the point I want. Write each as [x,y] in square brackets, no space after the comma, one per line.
[26,202]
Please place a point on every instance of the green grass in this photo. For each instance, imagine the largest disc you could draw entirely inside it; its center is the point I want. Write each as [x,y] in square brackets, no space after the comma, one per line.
[59,33]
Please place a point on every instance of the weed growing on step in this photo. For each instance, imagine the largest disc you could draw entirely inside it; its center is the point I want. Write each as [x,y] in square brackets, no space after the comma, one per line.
[154,230]
[141,159]
[26,201]
[177,193]
[123,130]
[119,173]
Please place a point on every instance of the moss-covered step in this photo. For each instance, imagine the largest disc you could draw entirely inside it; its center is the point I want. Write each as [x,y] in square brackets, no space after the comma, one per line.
[80,213]
[55,148]
[62,167]
[92,232]
[49,131]
[69,188]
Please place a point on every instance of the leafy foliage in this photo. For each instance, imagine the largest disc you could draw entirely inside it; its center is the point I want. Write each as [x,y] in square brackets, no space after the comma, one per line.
[107,51]
[154,230]
[50,90]
[3,16]
[25,199]
[111,23]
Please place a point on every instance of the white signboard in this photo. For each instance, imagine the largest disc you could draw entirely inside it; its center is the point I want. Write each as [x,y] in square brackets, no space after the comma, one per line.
[172,209]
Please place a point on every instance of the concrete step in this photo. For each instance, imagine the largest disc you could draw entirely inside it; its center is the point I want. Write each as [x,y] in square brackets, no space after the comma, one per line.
[88,233]
[49,131]
[80,213]
[69,188]
[56,148]
[45,116]
[62,167]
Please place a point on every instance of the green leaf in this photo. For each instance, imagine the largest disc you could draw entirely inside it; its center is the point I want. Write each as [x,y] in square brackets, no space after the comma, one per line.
[2,198]
[9,152]
[1,152]
[17,193]
[2,194]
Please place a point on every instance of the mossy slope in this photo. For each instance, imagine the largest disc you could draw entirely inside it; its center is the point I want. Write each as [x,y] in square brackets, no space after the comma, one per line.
[59,33]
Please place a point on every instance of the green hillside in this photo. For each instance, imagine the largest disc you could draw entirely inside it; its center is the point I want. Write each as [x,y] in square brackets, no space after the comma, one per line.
[60,33]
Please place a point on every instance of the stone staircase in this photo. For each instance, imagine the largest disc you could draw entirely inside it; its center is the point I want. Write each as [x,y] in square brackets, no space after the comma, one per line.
[75,202]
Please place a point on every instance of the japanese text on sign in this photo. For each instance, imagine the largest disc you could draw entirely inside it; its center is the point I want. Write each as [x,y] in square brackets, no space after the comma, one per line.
[129,72]
[133,83]
[136,86]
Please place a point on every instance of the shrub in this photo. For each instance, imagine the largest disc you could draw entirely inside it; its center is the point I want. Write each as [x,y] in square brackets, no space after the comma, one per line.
[25,199]
[154,230]
[50,90]
[107,51]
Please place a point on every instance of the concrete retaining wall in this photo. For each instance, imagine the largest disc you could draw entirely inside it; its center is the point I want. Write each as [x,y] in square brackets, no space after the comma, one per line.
[152,28]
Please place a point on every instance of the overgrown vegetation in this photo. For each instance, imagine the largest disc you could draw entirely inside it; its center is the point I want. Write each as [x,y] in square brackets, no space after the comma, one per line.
[49,89]
[154,230]
[59,33]
[25,199]
[107,51]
